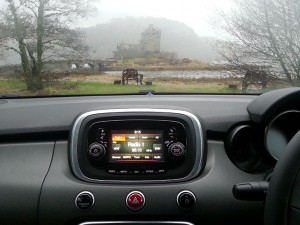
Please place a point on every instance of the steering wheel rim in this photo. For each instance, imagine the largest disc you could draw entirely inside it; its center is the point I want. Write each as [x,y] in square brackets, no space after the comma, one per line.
[282,206]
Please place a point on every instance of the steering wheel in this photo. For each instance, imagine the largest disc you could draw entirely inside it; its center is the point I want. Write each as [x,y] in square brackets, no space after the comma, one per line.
[282,206]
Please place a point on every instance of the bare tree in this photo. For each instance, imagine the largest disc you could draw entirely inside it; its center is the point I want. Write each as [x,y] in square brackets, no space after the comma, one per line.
[268,30]
[40,30]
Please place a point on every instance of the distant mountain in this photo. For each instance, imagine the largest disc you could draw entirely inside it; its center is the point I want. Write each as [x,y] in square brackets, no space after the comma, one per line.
[175,37]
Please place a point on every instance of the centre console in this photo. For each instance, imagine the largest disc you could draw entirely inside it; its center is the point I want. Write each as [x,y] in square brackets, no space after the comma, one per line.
[137,145]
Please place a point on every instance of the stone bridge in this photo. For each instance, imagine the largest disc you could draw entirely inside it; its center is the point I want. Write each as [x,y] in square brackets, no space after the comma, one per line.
[77,65]
[65,66]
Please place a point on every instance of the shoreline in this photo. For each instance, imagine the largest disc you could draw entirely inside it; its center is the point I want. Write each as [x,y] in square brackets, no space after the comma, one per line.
[168,67]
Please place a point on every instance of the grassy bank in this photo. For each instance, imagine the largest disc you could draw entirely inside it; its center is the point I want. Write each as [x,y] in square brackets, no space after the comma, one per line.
[90,88]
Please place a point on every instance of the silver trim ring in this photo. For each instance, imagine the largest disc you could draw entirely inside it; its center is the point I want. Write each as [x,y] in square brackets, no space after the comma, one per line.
[139,193]
[88,193]
[199,147]
[185,192]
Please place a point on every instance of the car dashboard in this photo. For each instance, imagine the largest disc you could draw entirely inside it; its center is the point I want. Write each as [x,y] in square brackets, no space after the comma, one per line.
[140,159]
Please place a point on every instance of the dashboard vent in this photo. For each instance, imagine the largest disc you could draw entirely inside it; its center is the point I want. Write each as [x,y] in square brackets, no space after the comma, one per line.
[242,147]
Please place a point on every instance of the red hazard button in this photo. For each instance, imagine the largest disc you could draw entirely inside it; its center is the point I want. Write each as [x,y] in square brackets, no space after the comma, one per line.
[135,200]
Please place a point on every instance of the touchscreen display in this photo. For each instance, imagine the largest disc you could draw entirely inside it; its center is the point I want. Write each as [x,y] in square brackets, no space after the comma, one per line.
[131,146]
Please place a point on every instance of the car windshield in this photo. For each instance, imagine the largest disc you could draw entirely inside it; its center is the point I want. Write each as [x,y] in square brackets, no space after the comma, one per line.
[91,47]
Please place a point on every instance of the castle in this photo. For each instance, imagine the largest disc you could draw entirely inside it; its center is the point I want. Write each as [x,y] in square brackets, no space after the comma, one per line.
[149,45]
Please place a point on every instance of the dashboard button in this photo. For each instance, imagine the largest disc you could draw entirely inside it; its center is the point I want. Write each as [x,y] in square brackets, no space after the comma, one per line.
[96,151]
[135,200]
[157,157]
[161,171]
[176,150]
[172,130]
[168,142]
[101,138]
[84,200]
[186,200]
[101,130]
[123,172]
[112,171]
[172,137]
[149,171]
[147,157]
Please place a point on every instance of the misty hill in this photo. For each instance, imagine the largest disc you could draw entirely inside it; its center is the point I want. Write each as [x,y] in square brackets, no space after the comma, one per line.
[175,37]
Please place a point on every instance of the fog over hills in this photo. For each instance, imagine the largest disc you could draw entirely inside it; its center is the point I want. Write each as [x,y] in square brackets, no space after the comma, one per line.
[175,37]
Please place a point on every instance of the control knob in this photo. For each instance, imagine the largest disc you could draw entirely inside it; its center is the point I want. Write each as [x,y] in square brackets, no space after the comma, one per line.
[186,200]
[96,151]
[176,150]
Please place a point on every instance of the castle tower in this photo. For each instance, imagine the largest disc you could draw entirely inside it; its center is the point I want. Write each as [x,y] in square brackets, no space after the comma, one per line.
[150,41]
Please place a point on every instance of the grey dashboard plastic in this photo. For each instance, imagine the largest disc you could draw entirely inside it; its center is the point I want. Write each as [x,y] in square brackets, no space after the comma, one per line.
[39,196]
[215,203]
[23,168]
[219,113]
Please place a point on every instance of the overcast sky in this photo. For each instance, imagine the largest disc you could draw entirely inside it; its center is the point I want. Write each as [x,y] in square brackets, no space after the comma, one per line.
[197,14]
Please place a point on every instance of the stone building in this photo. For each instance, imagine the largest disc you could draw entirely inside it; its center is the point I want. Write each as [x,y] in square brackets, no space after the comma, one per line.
[149,45]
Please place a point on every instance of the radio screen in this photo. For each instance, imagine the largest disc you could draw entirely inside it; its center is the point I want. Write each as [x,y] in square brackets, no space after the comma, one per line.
[131,146]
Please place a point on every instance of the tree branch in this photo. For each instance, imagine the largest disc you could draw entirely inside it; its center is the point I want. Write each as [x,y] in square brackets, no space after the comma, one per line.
[12,48]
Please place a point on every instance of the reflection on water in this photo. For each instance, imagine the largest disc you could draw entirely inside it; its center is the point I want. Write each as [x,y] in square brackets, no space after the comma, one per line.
[194,74]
